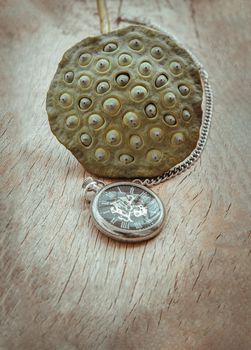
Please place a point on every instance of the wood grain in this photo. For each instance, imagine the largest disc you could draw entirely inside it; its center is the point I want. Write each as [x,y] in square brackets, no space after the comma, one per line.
[65,286]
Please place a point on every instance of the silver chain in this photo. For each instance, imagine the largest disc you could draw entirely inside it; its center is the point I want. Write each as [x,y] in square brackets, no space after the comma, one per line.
[204,130]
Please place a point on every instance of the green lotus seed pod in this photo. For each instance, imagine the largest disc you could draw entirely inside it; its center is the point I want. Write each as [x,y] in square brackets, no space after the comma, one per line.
[127,103]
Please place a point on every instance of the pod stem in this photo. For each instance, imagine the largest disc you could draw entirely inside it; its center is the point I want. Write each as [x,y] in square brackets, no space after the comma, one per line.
[103,16]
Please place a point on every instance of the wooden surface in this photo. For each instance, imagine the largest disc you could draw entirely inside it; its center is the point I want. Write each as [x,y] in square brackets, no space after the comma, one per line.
[64,285]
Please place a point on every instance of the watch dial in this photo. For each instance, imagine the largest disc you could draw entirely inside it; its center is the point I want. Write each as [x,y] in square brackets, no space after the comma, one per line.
[129,207]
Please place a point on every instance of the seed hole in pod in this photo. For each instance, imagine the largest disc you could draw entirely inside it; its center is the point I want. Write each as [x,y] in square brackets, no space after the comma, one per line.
[65,99]
[101,154]
[135,44]
[178,138]
[136,141]
[126,158]
[102,87]
[85,139]
[175,67]
[95,121]
[154,155]
[102,65]
[184,90]
[84,59]
[122,79]
[169,99]
[111,105]
[85,103]
[131,120]
[157,52]
[84,81]
[145,68]
[161,80]
[124,59]
[69,76]
[151,110]
[72,122]
[186,115]
[170,119]
[113,137]
[156,134]
[138,93]
[110,47]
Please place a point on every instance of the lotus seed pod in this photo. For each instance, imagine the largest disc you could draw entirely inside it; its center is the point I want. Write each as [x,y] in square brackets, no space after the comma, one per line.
[110,47]
[127,103]
[72,122]
[84,81]
[69,76]
[95,121]
[102,87]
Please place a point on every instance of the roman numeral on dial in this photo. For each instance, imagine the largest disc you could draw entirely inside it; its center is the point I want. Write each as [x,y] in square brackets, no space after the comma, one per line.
[125,225]
[114,220]
[109,194]
[105,203]
[144,196]
[137,225]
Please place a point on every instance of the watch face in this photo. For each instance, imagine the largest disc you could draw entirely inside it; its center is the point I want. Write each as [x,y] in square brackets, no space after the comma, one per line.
[128,212]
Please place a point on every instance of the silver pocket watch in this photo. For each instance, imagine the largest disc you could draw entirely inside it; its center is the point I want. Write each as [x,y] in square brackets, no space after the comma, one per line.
[124,211]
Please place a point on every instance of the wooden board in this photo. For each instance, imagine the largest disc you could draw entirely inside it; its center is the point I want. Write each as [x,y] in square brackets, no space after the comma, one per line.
[64,285]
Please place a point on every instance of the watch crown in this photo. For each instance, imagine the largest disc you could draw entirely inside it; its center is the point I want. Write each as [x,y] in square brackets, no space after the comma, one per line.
[91,187]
